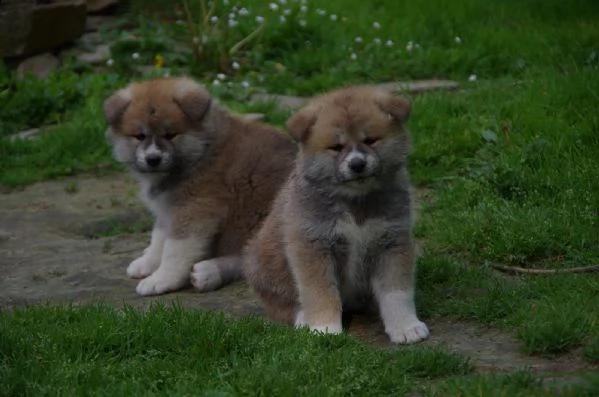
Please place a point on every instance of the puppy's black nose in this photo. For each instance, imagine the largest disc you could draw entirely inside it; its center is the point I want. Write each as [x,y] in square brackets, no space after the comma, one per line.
[357,164]
[153,160]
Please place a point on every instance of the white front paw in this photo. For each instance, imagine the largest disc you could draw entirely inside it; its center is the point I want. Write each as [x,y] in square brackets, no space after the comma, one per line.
[205,276]
[413,332]
[142,267]
[162,281]
[300,319]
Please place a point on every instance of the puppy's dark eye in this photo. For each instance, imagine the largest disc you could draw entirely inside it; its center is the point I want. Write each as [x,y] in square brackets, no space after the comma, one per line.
[336,148]
[139,137]
[370,140]
[170,135]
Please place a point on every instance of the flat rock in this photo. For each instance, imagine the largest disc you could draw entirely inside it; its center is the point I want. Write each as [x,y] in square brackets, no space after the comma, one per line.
[419,86]
[25,135]
[253,116]
[287,102]
[99,54]
[99,5]
[40,66]
[28,28]
[282,101]
[94,22]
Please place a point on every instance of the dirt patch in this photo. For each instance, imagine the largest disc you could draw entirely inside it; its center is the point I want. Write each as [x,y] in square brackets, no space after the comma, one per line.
[59,246]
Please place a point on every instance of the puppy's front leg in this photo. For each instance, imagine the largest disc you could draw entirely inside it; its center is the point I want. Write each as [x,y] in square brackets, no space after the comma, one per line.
[393,286]
[320,300]
[180,252]
[150,260]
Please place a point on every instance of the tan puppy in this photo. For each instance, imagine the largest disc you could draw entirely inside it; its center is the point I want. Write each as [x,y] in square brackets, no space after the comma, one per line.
[208,177]
[340,231]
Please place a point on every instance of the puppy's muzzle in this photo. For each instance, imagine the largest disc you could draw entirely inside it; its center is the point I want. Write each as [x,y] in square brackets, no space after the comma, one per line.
[356,166]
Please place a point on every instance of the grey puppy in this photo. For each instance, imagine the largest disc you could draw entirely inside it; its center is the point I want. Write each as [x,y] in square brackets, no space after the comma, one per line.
[340,231]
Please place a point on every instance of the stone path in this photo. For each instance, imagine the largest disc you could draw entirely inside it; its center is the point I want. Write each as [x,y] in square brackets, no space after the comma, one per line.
[287,102]
[47,255]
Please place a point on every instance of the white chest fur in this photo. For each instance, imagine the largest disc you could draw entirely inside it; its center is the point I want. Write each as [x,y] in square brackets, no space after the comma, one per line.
[359,238]
[157,204]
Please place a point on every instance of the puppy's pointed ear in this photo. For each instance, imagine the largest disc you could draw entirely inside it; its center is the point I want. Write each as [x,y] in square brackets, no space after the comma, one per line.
[193,99]
[397,107]
[300,123]
[116,105]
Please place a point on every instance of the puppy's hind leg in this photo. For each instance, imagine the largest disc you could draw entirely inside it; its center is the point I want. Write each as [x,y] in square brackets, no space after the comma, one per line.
[212,274]
[392,284]
[181,251]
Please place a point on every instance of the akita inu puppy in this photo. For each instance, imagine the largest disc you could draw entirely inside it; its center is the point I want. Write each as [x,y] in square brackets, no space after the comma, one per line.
[209,178]
[340,231]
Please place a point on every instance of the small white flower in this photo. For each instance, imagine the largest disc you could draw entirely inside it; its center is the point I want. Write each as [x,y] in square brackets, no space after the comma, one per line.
[410,46]
[303,8]
[472,77]
[235,65]
[283,1]
[457,40]
[274,6]
[321,12]
[214,19]
[376,25]
[358,39]
[389,43]
[243,12]
[302,23]
[287,12]
[226,2]
[282,19]
[221,76]
[196,40]
[216,82]
[353,56]
[260,19]
[333,17]
[179,22]
[245,84]
[110,62]
[135,55]
[377,41]
[233,23]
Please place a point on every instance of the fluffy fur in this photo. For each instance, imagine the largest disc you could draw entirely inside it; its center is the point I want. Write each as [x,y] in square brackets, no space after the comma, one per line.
[339,233]
[209,178]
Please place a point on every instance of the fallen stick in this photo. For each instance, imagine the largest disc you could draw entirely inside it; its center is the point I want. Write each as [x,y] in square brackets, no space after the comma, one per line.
[522,270]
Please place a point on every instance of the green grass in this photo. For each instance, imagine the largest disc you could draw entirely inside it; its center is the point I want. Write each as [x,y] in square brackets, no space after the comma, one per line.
[99,350]
[517,384]
[172,351]
[510,160]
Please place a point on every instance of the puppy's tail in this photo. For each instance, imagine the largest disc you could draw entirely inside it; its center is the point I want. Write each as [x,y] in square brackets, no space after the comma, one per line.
[212,274]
